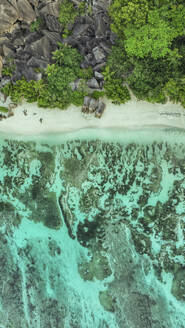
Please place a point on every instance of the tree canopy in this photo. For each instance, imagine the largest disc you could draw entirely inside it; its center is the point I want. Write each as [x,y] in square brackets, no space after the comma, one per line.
[148,27]
[149,54]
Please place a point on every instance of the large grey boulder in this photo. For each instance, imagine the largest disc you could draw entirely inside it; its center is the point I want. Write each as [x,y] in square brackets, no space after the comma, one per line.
[25,11]
[100,109]
[76,85]
[41,47]
[37,62]
[85,107]
[34,3]
[92,83]
[79,30]
[98,76]
[8,16]
[70,41]
[30,74]
[106,46]
[99,54]
[93,105]
[53,37]
[51,8]
[52,23]
[100,5]
[99,67]
[100,27]
[7,51]
[18,42]
[89,59]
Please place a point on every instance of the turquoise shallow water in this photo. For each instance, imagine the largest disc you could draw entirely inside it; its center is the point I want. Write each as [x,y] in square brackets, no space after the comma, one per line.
[92,229]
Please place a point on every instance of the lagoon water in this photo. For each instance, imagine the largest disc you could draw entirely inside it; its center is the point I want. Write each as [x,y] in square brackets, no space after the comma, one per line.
[92,229]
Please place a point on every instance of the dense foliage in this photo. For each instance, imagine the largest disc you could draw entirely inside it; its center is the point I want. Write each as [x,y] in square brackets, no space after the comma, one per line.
[149,54]
[68,14]
[148,57]
[54,90]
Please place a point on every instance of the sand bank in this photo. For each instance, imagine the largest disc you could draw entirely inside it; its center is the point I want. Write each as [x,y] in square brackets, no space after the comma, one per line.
[133,114]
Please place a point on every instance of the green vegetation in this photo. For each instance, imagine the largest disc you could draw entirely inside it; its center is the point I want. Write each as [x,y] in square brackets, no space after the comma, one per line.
[97,94]
[149,54]
[148,57]
[54,89]
[8,67]
[3,109]
[115,90]
[68,13]
[36,25]
[113,76]
[176,90]
[22,89]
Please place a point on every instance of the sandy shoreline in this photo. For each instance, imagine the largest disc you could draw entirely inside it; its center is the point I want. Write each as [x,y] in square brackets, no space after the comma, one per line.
[133,114]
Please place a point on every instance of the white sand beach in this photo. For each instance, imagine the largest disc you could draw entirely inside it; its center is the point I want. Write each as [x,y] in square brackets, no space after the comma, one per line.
[133,114]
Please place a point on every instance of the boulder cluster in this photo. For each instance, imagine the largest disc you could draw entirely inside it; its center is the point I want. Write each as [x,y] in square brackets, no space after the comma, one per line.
[30,50]
[92,36]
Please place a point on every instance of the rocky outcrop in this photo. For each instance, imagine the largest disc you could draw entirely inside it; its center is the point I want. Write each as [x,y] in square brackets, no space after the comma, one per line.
[29,49]
[50,8]
[92,105]
[32,48]
[10,12]
[9,16]
[94,39]
[25,11]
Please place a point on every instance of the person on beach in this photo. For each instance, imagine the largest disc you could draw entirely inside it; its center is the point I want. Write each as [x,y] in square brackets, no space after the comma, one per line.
[41,120]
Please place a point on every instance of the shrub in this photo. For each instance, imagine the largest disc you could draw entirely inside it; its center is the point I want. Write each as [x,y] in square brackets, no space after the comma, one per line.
[54,89]
[85,73]
[67,56]
[8,67]
[22,89]
[97,94]
[77,97]
[67,15]
[176,90]
[115,90]
[3,109]
[36,25]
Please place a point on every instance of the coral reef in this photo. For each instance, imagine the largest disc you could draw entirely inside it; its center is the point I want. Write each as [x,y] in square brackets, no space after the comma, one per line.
[92,233]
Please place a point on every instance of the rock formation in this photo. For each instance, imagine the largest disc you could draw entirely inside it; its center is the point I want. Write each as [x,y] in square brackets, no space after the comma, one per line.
[29,49]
